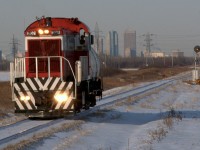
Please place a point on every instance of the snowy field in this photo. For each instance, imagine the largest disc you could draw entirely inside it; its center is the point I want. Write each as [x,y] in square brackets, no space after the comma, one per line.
[167,119]
[137,124]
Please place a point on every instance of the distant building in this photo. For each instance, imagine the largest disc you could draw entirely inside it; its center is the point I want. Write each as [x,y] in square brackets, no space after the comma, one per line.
[101,50]
[112,44]
[147,54]
[157,54]
[177,53]
[98,40]
[130,43]
[127,52]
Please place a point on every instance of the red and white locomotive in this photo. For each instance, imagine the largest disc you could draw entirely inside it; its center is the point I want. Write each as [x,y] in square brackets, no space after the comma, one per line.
[60,70]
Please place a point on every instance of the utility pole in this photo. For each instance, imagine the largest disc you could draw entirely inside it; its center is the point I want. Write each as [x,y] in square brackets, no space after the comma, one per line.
[96,36]
[172,60]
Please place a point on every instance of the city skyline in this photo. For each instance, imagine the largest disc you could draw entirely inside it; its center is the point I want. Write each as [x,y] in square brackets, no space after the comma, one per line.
[175,23]
[130,48]
[112,43]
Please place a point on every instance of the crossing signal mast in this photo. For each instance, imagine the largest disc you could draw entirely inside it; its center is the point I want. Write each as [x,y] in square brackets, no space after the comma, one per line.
[195,71]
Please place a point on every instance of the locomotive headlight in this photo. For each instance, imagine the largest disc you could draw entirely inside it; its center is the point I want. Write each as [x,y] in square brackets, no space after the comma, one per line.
[40,31]
[61,97]
[46,31]
[25,98]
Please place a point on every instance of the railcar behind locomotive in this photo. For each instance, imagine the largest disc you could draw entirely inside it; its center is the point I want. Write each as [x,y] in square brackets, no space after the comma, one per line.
[59,72]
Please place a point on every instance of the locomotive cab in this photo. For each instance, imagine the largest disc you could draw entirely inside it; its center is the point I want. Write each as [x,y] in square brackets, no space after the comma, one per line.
[59,72]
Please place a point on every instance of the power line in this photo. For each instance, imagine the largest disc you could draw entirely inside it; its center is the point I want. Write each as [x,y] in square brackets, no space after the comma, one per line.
[15,44]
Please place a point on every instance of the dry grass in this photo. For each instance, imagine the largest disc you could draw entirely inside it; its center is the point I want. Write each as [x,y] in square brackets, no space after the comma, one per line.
[167,104]
[129,108]
[5,97]
[142,75]
[12,119]
[158,134]
[146,105]
[163,128]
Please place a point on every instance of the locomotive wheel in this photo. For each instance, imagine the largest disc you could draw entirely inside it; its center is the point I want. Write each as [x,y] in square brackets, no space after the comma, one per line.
[92,100]
[77,106]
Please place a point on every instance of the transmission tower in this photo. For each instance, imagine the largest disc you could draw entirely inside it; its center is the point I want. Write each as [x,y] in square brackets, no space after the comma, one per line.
[148,42]
[148,45]
[14,49]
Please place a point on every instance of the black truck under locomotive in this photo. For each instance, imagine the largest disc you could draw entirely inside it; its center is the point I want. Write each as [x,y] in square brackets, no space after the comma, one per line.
[59,72]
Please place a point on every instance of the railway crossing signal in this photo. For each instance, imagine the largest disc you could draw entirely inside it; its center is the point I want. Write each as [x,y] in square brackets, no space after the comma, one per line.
[197,48]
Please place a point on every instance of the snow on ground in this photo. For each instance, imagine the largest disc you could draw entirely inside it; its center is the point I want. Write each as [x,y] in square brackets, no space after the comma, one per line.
[184,136]
[129,125]
[4,76]
[136,123]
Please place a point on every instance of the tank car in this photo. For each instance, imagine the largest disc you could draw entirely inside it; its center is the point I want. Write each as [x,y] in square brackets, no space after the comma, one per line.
[59,72]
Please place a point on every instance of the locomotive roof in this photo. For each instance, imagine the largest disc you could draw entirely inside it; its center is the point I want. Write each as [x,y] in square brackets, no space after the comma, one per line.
[71,24]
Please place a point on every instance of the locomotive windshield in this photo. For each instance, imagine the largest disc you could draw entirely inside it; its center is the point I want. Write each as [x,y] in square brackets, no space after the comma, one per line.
[77,43]
[44,47]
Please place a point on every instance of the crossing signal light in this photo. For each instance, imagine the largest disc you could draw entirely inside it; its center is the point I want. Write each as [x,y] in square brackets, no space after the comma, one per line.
[197,48]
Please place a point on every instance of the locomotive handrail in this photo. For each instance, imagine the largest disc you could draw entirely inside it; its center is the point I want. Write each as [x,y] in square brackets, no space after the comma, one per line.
[20,67]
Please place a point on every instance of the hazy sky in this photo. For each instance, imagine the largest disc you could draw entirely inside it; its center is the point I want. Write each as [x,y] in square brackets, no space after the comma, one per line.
[174,23]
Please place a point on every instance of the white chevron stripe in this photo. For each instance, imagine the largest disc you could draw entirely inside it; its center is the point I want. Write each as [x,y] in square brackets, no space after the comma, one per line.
[61,86]
[58,105]
[68,101]
[21,94]
[26,102]
[32,98]
[47,83]
[17,87]
[41,87]
[66,90]
[18,103]
[24,86]
[54,84]
[31,84]
[69,86]
[29,93]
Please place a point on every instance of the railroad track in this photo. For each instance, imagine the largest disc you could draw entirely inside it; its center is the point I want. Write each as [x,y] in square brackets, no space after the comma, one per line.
[21,130]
